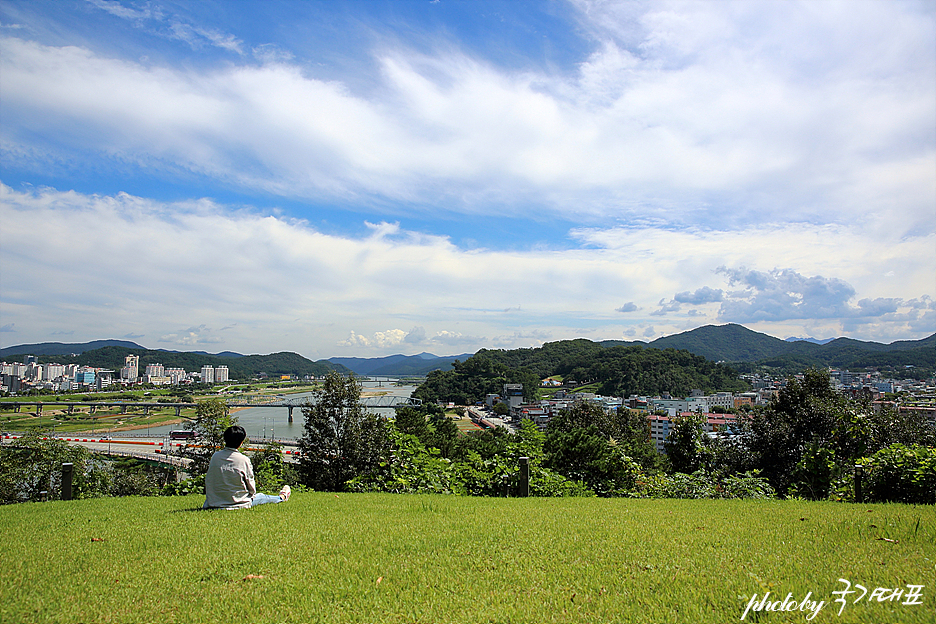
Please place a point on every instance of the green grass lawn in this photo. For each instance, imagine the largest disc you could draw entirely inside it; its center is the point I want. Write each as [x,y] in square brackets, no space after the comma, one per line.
[398,558]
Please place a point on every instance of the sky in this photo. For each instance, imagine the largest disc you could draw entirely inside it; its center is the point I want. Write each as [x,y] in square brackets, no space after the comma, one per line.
[365,178]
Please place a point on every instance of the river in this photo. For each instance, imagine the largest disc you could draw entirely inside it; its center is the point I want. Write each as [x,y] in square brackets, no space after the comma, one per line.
[273,422]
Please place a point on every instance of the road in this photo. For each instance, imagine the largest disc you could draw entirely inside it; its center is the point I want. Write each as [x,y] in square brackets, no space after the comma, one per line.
[155,447]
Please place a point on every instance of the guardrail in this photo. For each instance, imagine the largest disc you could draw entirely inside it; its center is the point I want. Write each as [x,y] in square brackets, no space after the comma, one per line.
[179,462]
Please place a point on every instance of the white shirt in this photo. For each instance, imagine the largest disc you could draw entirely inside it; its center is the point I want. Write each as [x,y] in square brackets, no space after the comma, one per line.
[229,482]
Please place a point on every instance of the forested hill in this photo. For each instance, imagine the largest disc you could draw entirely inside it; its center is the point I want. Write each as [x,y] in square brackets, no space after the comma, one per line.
[618,370]
[64,348]
[736,343]
[242,367]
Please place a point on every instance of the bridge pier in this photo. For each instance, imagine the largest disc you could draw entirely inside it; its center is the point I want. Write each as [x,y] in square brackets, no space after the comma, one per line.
[70,408]
[146,410]
[39,409]
[123,409]
[92,409]
[290,414]
[178,411]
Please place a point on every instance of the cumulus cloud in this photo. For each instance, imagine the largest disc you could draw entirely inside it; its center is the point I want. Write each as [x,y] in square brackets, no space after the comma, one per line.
[700,296]
[630,306]
[783,294]
[391,289]
[666,307]
[416,336]
[191,337]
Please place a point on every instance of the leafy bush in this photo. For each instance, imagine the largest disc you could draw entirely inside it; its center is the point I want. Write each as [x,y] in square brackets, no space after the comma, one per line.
[184,487]
[34,465]
[902,474]
[814,473]
[701,484]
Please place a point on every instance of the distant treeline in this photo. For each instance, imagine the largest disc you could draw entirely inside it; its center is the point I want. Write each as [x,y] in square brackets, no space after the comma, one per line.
[244,367]
[617,371]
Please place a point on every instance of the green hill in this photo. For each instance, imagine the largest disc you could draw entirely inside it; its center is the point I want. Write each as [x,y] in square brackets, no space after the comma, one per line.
[64,348]
[736,343]
[241,367]
[616,371]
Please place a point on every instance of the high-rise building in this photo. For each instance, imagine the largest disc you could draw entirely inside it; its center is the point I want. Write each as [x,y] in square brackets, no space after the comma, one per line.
[33,372]
[221,373]
[51,372]
[131,369]
[155,370]
[207,374]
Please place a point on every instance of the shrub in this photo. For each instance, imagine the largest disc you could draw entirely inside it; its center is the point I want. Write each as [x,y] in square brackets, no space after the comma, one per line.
[902,474]
[701,484]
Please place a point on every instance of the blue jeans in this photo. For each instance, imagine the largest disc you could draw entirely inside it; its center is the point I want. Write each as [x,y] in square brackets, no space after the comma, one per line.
[260,499]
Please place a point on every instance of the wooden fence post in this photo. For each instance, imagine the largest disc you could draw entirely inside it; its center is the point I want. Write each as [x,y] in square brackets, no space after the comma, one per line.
[68,471]
[524,476]
[859,473]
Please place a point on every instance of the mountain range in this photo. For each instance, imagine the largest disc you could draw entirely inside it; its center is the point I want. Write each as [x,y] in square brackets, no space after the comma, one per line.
[730,343]
[399,364]
[737,344]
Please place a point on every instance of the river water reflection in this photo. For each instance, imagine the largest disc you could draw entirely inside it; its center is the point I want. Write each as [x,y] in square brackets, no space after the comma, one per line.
[273,422]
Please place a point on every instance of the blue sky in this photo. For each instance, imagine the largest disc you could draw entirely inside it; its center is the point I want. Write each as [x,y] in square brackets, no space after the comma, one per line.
[366,178]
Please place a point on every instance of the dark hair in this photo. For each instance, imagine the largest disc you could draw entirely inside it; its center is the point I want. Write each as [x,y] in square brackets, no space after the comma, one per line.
[234,436]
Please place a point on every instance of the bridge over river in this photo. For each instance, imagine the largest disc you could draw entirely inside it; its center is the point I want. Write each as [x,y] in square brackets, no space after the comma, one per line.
[387,401]
[373,402]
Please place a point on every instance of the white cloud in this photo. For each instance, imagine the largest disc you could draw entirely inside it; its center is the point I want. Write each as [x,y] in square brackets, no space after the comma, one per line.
[700,296]
[694,113]
[156,21]
[191,337]
[277,284]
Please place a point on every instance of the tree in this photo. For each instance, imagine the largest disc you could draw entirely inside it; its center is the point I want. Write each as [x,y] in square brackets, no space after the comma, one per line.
[211,419]
[631,430]
[581,415]
[412,421]
[806,413]
[684,443]
[583,454]
[34,465]
[341,441]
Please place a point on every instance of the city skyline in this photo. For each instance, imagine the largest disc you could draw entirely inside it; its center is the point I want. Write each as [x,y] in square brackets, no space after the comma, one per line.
[371,178]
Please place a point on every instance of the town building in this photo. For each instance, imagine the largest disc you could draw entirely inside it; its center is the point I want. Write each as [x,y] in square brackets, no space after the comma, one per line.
[131,369]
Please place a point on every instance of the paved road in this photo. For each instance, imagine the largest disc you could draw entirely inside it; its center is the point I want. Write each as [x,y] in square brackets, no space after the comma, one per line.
[141,446]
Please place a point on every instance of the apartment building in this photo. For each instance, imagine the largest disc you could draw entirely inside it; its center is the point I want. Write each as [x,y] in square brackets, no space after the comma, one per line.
[660,425]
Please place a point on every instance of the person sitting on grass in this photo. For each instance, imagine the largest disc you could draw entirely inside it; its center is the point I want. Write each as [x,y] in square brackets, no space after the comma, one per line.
[229,482]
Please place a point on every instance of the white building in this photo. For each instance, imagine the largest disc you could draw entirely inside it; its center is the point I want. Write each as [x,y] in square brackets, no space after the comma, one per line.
[131,368]
[221,373]
[207,374]
[51,372]
[660,426]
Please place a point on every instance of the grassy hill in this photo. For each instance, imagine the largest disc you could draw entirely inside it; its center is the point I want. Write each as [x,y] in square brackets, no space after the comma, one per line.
[396,558]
